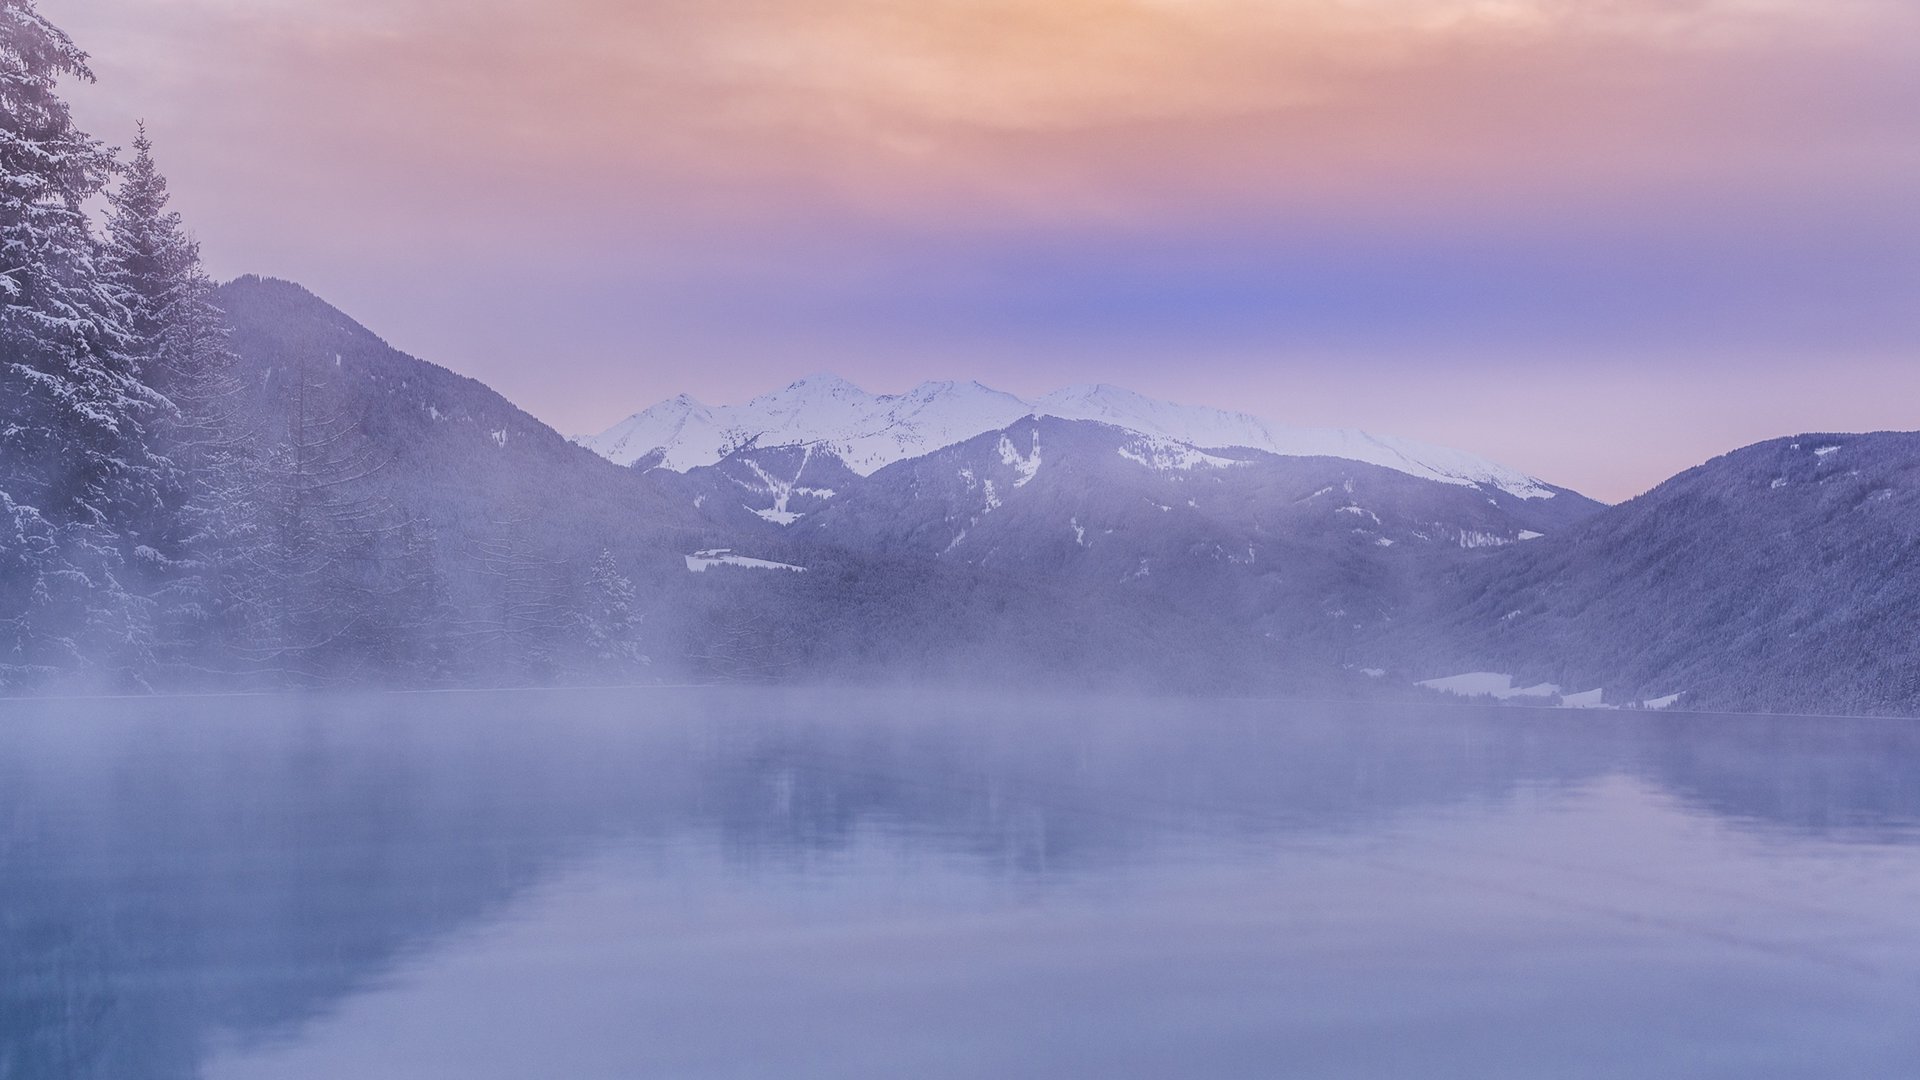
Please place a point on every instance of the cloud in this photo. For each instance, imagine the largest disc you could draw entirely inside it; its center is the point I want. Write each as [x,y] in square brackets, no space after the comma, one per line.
[1063,107]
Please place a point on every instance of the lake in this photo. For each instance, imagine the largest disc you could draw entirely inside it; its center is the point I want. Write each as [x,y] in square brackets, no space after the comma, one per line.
[755,884]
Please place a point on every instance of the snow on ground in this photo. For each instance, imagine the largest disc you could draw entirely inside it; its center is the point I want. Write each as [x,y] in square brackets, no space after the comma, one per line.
[1667,702]
[700,561]
[1529,534]
[1823,451]
[1163,455]
[782,491]
[1491,684]
[1499,686]
[1027,466]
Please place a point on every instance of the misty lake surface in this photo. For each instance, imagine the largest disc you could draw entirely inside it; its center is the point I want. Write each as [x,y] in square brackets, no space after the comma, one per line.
[758,884]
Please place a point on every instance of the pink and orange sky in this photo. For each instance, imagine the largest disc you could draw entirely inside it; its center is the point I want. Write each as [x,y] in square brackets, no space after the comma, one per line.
[1601,240]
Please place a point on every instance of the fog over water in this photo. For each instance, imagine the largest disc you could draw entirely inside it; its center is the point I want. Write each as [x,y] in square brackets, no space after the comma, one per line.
[758,883]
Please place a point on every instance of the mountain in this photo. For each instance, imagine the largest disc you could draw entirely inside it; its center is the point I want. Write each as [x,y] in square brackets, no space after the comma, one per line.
[505,517]
[515,517]
[1305,551]
[1304,539]
[441,444]
[868,431]
[838,536]
[1210,428]
[1784,576]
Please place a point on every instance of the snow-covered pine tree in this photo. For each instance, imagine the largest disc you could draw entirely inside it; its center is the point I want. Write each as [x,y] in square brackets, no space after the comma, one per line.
[147,251]
[72,407]
[609,622]
[178,337]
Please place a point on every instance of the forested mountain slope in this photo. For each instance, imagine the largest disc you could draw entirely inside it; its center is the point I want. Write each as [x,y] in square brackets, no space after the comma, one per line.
[1784,576]
[506,518]
[443,444]
[1300,551]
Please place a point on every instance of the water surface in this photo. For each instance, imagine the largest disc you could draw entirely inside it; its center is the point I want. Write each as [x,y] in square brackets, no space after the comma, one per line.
[766,884]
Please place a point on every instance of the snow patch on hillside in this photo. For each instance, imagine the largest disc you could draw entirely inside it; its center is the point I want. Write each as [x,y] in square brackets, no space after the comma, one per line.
[701,561]
[1163,455]
[1027,465]
[782,490]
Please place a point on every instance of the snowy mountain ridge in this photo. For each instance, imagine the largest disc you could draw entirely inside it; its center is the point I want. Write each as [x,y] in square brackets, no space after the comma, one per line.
[869,431]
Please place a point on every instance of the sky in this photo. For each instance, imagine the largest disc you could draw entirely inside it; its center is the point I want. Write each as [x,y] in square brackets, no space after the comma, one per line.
[1600,240]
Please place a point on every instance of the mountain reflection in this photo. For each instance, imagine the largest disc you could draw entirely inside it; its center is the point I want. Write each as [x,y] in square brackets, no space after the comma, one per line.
[182,873]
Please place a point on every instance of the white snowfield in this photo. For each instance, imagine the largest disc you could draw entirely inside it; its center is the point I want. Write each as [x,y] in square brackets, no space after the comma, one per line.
[869,431]
[865,430]
[1203,427]
[1499,686]
[700,561]
[1163,455]
[1491,684]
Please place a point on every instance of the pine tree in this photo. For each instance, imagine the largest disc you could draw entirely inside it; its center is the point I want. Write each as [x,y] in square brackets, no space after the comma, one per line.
[72,407]
[178,339]
[147,252]
[609,623]
[214,509]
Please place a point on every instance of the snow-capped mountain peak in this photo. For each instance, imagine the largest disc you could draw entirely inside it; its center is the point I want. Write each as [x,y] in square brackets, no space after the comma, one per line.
[1204,427]
[869,431]
[865,430]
